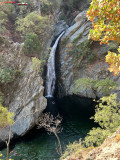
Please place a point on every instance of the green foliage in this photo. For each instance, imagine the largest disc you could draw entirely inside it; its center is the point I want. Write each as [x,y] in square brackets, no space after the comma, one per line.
[48,6]
[32,23]
[78,52]
[36,63]
[105,86]
[92,57]
[105,17]
[5,41]
[3,20]
[1,97]
[107,115]
[7,75]
[6,117]
[32,44]
[82,49]
[113,46]
[6,13]
[64,41]
[77,38]
[96,136]
[74,147]
[83,84]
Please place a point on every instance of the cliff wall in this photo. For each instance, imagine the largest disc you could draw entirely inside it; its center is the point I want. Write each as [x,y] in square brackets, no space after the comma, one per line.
[82,58]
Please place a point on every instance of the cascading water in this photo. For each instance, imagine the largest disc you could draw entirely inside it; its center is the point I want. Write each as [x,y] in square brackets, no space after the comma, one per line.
[51,76]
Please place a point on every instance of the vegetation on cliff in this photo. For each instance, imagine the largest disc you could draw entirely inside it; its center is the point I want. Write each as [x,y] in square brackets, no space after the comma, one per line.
[107,115]
[105,17]
[32,27]
[105,86]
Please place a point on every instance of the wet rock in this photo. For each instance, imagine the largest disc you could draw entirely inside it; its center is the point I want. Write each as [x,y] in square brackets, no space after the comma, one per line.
[60,26]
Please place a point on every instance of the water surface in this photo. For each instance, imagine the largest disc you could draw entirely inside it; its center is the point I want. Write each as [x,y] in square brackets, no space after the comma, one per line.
[38,145]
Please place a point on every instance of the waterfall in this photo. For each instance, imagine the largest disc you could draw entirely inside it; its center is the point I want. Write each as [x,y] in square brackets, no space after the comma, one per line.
[51,76]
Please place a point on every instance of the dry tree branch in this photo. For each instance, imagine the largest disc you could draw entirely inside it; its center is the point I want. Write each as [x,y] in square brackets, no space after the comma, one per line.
[51,125]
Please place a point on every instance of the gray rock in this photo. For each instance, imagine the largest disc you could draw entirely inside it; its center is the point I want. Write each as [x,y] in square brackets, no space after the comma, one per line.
[25,97]
[60,26]
[96,70]
[81,16]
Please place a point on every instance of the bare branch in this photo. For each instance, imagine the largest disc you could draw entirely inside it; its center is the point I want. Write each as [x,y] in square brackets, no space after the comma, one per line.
[51,125]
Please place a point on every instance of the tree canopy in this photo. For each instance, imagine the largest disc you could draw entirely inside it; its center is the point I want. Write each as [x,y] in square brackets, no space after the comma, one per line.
[105,17]
[6,117]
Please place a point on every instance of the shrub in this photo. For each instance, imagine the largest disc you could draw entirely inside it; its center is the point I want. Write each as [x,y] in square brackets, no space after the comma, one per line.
[83,84]
[81,49]
[48,6]
[96,136]
[64,41]
[78,52]
[36,63]
[32,44]
[77,38]
[105,86]
[6,118]
[107,115]
[74,147]
[32,23]
[92,57]
[7,75]
[1,97]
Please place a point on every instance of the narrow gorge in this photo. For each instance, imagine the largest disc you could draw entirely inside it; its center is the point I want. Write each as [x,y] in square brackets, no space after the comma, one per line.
[48,64]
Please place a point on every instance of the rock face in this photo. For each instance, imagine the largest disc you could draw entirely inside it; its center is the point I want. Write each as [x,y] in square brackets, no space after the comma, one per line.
[81,58]
[60,26]
[25,95]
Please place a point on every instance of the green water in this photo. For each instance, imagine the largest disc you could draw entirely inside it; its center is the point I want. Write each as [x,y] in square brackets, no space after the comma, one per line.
[38,145]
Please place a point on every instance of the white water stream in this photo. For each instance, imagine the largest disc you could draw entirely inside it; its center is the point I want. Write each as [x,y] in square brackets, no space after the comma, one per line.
[51,76]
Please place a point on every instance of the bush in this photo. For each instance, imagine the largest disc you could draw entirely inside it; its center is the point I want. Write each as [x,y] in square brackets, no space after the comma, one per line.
[74,147]
[107,115]
[1,97]
[32,44]
[83,84]
[36,63]
[96,136]
[77,38]
[105,86]
[32,23]
[7,75]
[92,57]
[6,117]
[78,52]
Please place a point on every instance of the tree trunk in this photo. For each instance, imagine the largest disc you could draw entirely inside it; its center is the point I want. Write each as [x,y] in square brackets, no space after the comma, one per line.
[8,143]
[59,142]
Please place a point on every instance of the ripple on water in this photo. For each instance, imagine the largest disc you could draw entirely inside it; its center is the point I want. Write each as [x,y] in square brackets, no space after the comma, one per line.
[40,146]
